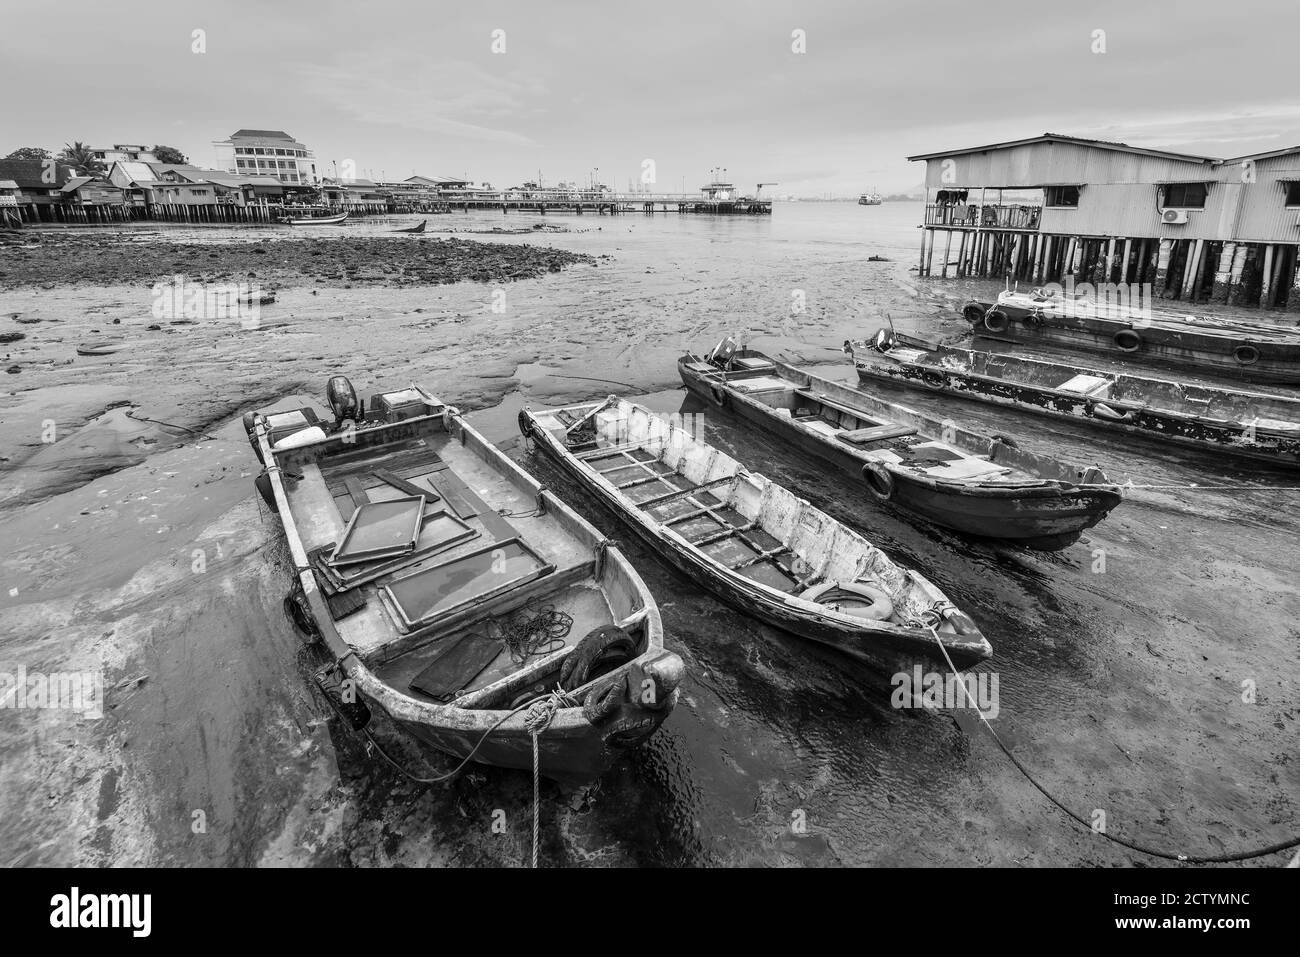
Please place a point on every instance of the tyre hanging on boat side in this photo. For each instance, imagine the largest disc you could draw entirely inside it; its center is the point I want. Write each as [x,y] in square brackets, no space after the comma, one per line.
[1127,340]
[250,430]
[299,614]
[720,397]
[973,313]
[879,482]
[1246,354]
[995,320]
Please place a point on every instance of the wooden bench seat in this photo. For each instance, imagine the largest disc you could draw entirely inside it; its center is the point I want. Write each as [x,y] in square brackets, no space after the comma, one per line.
[878,433]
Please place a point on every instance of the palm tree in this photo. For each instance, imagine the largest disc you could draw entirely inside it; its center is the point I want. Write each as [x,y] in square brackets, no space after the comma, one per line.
[81,158]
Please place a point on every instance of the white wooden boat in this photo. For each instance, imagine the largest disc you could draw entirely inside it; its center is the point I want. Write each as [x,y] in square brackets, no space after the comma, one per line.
[314,220]
[754,543]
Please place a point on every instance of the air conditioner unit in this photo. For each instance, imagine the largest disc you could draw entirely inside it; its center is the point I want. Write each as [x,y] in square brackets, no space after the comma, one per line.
[1171,217]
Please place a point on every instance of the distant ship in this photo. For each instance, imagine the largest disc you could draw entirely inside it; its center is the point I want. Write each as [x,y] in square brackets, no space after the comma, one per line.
[872,198]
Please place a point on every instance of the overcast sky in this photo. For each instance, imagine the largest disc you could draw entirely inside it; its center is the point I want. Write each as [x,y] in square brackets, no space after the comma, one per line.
[398,87]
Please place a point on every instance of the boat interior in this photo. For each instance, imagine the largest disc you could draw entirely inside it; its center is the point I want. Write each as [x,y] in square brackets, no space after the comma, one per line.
[751,526]
[1123,391]
[874,429]
[439,568]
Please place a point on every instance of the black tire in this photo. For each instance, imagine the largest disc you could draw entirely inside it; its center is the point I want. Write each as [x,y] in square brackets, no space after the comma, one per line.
[1007,441]
[720,397]
[1126,340]
[525,424]
[299,614]
[879,482]
[1246,354]
[601,651]
[973,313]
[995,320]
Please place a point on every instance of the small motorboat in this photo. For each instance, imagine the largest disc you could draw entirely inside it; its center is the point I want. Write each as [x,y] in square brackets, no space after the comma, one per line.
[314,220]
[752,542]
[454,593]
[979,485]
[1211,345]
[414,229]
[1227,421]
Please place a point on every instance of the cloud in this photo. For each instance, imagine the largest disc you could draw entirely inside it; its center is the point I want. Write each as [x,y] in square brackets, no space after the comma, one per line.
[452,98]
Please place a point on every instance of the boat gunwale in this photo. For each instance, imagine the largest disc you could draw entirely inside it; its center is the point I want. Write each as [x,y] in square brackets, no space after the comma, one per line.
[451,716]
[1037,487]
[976,643]
[1127,404]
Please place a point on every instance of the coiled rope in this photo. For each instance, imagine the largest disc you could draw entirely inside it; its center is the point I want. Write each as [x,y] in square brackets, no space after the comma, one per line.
[1131,845]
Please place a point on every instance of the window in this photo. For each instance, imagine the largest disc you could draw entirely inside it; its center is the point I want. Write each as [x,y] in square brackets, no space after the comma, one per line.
[1185,195]
[1292,192]
[1062,195]
[240,163]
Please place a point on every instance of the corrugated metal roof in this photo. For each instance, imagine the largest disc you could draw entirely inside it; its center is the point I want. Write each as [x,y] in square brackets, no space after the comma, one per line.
[8,184]
[76,183]
[1072,140]
[268,134]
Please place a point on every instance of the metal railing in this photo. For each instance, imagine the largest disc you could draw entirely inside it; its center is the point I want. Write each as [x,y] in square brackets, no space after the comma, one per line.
[971,215]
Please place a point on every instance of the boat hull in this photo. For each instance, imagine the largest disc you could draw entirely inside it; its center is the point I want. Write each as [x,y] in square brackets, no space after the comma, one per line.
[1047,518]
[1145,423]
[890,652]
[1160,343]
[571,752]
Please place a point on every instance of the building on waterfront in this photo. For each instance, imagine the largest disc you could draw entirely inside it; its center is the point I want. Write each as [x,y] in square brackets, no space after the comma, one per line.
[354,193]
[146,184]
[36,182]
[1051,207]
[436,182]
[125,153]
[91,191]
[267,153]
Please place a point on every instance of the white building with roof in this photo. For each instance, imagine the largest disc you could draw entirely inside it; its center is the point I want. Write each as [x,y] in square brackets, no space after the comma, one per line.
[267,153]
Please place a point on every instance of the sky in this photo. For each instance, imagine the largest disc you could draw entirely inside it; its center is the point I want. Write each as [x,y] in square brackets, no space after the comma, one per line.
[671,88]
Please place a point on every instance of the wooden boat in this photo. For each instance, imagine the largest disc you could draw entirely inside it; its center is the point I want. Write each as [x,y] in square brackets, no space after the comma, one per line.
[314,220]
[1250,351]
[414,229]
[752,542]
[1250,424]
[502,599]
[980,485]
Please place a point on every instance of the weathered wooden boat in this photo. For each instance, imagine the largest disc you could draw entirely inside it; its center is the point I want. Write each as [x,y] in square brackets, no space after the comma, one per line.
[979,485]
[1250,351]
[500,608]
[414,229]
[314,220]
[1250,424]
[750,541]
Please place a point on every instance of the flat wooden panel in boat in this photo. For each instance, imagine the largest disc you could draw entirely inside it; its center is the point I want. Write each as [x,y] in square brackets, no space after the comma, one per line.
[439,589]
[381,530]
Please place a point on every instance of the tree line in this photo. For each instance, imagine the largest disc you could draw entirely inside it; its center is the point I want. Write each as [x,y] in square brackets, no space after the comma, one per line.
[82,158]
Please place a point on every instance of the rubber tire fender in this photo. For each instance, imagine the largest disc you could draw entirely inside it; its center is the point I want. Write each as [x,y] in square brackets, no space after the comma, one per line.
[882,606]
[1246,354]
[602,642]
[1127,336]
[875,472]
[995,320]
[973,313]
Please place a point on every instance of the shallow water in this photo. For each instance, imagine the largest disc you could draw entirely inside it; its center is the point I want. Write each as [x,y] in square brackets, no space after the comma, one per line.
[142,547]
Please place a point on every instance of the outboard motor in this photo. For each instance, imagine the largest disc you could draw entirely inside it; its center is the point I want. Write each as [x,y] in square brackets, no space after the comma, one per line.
[343,400]
[250,427]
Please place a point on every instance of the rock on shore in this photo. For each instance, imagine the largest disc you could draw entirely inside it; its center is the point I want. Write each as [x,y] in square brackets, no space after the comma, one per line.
[46,259]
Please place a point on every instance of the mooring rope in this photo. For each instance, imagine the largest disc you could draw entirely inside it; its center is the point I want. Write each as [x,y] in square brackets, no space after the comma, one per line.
[539,717]
[1206,488]
[1131,845]
[541,712]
